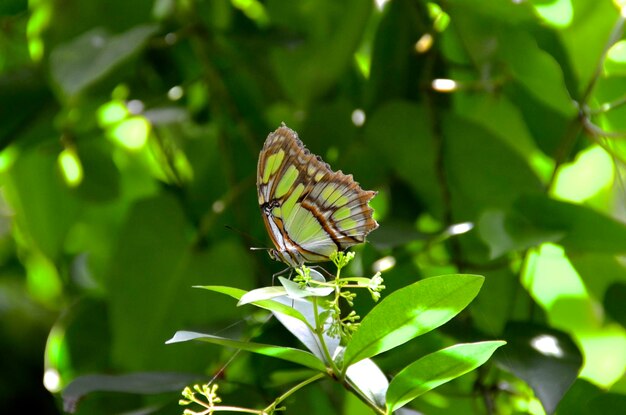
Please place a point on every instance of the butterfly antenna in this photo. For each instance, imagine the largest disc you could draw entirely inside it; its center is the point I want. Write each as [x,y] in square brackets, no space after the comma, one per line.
[251,239]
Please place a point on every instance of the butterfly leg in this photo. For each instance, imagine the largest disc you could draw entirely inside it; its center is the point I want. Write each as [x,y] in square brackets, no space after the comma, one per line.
[288,269]
[322,271]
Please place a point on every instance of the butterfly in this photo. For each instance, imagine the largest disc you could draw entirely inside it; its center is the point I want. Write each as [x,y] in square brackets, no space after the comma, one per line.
[309,210]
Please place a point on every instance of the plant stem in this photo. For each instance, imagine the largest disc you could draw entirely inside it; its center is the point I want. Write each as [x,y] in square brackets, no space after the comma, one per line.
[237,409]
[319,332]
[291,391]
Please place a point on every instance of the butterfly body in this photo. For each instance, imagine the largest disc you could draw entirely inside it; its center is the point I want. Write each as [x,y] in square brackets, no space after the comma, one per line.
[309,211]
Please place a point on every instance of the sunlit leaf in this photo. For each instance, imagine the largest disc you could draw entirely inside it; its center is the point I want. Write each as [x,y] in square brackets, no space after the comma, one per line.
[260,294]
[295,291]
[303,329]
[270,305]
[370,380]
[436,369]
[410,312]
[285,353]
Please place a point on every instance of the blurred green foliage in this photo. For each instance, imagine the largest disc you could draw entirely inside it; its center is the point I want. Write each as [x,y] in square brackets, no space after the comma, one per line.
[129,134]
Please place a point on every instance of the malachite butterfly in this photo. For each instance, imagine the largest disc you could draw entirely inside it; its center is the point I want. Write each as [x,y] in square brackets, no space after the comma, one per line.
[309,211]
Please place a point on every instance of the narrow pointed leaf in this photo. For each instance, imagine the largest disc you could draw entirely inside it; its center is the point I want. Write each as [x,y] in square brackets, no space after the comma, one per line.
[145,383]
[436,369]
[270,305]
[410,312]
[296,292]
[304,331]
[285,353]
[260,294]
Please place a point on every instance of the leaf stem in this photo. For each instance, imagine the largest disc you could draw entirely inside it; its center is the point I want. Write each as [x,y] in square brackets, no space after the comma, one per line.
[291,391]
[577,123]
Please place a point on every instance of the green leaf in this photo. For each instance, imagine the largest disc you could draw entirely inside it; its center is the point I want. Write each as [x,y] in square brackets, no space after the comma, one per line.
[504,120]
[303,330]
[150,296]
[436,369]
[141,383]
[297,316]
[101,180]
[270,305]
[584,229]
[585,38]
[614,302]
[539,72]
[369,379]
[535,219]
[576,400]
[90,57]
[483,171]
[510,231]
[9,7]
[296,66]
[44,207]
[406,124]
[296,292]
[545,358]
[609,266]
[608,403]
[285,353]
[260,294]
[393,63]
[410,312]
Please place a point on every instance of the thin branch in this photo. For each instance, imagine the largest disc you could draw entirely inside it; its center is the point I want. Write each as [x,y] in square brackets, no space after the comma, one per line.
[596,131]
[577,123]
[608,106]
[616,156]
[281,398]
[616,34]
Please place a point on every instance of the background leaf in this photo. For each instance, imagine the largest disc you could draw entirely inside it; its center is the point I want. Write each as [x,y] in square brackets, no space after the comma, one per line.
[143,383]
[545,358]
[78,64]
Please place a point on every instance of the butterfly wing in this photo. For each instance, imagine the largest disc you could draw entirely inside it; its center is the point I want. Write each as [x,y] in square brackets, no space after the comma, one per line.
[309,210]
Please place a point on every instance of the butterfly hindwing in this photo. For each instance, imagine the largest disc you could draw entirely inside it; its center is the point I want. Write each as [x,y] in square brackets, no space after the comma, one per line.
[309,210]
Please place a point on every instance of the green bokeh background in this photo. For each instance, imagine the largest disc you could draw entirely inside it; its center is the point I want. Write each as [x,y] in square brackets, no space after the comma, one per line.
[129,137]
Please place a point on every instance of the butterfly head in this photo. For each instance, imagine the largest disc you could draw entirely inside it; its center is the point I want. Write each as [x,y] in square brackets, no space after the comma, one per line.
[274,254]
[293,258]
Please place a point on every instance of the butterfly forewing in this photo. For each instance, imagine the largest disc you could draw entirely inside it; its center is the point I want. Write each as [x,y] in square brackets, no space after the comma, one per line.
[309,210]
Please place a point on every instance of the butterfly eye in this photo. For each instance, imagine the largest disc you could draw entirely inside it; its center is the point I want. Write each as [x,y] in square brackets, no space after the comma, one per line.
[272,254]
